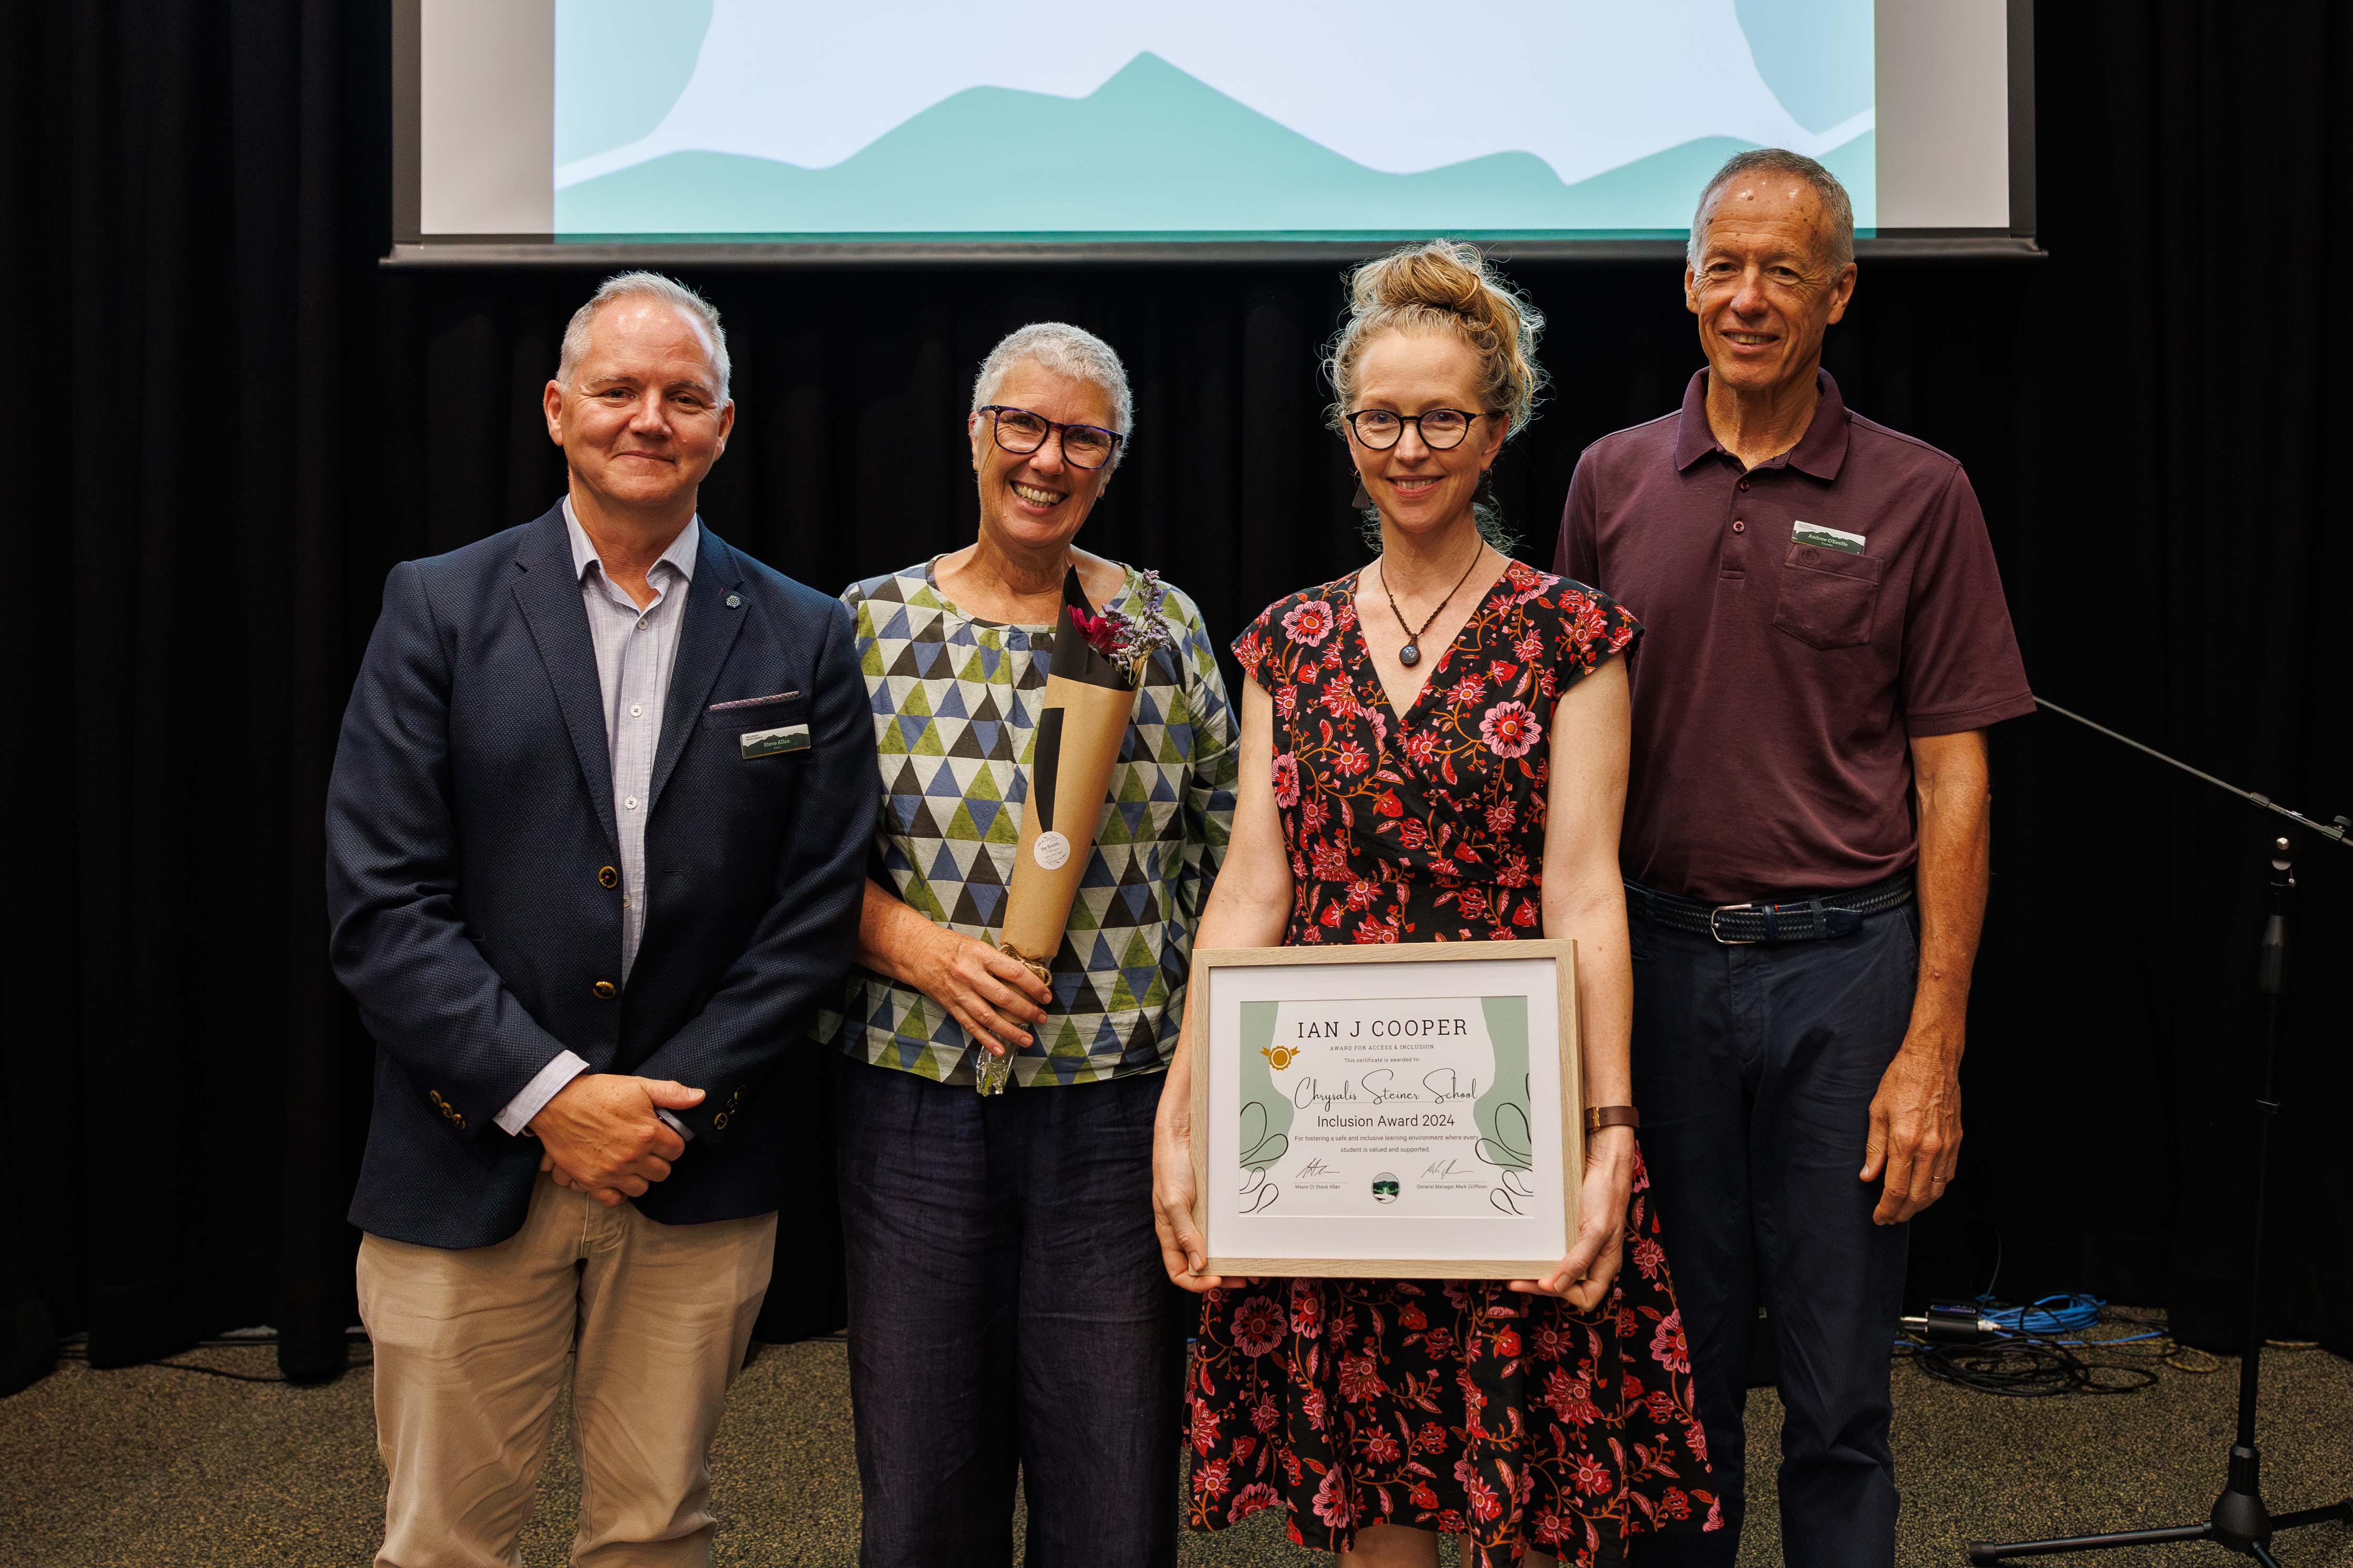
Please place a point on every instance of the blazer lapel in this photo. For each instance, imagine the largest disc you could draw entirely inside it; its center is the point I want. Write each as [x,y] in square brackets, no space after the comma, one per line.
[549,595]
[714,615]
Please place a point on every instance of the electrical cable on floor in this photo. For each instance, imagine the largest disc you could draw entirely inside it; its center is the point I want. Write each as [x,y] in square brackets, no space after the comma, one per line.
[2021,1366]
[2040,1350]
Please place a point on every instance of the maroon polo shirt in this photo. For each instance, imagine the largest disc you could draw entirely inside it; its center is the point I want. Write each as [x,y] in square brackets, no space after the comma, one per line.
[1785,665]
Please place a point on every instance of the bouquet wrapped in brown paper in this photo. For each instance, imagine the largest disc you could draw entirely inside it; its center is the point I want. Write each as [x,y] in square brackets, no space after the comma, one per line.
[1099,663]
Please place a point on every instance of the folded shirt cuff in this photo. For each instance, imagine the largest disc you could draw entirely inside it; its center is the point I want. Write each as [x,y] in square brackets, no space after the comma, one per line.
[542,1089]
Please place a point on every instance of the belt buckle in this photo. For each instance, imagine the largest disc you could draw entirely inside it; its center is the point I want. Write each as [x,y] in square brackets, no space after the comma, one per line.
[1722,940]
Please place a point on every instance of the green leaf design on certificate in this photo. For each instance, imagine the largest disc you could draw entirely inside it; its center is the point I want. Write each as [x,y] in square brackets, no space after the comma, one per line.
[1266,1111]
[1502,1112]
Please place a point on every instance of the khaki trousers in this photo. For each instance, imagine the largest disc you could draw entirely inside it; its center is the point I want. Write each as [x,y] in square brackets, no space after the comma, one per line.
[469,1350]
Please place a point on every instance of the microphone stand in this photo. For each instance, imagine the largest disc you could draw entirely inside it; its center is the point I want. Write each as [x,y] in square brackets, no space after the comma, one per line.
[2239,1522]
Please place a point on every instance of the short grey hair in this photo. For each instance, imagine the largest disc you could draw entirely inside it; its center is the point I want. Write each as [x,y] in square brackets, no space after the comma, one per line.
[1067,351]
[647,286]
[1836,205]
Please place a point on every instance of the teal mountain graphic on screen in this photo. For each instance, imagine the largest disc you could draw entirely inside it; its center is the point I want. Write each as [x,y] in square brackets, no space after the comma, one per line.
[1816,56]
[1152,152]
[615,76]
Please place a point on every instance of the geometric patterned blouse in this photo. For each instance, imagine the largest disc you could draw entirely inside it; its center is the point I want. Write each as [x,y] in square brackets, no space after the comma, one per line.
[955,708]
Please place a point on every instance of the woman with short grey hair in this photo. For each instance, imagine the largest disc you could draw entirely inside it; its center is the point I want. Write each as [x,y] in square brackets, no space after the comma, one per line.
[1007,1305]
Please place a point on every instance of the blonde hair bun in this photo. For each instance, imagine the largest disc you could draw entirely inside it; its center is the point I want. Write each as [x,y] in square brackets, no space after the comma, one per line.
[1444,274]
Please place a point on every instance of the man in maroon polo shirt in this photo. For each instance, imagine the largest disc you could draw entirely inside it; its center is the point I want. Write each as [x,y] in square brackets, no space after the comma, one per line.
[1825,641]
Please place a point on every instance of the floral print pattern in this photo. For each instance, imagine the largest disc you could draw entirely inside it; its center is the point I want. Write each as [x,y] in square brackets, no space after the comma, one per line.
[1445,1404]
[1439,836]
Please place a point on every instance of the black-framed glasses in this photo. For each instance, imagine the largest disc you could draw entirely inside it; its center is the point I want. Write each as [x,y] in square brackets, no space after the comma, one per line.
[1440,428]
[1020,431]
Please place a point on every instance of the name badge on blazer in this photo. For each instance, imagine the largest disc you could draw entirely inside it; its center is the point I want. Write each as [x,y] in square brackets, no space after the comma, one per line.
[775,743]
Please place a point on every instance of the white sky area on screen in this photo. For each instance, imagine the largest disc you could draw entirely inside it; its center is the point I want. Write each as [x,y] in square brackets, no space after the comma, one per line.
[1585,85]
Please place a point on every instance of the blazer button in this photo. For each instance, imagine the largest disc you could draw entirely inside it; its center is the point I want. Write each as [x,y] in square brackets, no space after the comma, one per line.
[606,990]
[608,878]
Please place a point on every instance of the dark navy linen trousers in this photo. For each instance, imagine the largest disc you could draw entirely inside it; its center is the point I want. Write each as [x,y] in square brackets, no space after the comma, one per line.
[1755,1069]
[1008,1308]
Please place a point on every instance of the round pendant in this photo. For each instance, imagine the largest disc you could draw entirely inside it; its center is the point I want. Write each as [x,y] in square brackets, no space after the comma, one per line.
[1409,656]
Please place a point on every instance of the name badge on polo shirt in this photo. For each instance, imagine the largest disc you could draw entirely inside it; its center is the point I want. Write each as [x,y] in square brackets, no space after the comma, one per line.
[775,743]
[1827,538]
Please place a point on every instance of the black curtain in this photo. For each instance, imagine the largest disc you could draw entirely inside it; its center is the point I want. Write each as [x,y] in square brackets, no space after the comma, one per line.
[230,422]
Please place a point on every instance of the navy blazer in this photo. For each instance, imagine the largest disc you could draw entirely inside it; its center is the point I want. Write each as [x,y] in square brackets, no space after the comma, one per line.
[472,906]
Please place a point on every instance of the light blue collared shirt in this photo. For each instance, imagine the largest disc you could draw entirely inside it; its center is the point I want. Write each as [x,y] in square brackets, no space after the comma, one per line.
[637,647]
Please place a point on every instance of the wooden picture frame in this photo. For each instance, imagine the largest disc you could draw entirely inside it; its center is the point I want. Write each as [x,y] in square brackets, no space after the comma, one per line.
[1423,1226]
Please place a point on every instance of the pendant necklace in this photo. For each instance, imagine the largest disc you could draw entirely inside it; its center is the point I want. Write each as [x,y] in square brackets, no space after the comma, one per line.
[1410,655]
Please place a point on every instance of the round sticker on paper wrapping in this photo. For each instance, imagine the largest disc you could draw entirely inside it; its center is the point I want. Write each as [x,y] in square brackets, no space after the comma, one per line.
[1051,851]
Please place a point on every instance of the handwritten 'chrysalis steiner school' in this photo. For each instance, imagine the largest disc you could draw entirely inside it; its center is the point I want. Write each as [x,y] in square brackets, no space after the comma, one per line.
[1375,1108]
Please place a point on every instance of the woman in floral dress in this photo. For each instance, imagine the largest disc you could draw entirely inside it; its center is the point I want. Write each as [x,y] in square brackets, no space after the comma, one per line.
[1434,749]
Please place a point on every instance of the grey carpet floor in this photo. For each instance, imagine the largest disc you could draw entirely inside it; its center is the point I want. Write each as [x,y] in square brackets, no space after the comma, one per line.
[156,1467]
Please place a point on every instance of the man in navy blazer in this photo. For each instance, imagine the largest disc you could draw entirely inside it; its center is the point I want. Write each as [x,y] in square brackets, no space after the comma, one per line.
[596,836]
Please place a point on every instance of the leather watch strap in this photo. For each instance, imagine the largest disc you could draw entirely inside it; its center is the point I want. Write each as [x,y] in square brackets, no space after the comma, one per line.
[1597,1116]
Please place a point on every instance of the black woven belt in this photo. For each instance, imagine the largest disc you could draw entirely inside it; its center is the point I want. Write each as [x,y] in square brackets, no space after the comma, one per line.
[1789,920]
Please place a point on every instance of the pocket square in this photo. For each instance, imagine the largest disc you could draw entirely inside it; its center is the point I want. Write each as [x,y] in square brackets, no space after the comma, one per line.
[742,703]
[770,743]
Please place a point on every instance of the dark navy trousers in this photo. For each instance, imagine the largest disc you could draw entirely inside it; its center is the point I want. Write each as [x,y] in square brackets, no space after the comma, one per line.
[1755,1069]
[1008,1308]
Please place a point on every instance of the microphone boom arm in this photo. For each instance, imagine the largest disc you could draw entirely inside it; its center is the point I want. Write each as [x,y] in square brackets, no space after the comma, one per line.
[2339,832]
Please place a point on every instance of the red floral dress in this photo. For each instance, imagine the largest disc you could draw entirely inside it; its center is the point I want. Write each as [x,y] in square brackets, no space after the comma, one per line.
[1446,1404]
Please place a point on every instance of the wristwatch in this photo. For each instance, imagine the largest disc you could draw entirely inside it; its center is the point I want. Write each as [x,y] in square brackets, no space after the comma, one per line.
[1597,1116]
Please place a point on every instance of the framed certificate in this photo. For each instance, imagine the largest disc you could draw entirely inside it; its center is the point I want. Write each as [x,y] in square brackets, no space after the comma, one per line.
[1399,1111]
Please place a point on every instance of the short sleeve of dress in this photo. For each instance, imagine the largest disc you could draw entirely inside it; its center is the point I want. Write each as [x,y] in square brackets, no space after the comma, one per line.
[1255,648]
[1593,629]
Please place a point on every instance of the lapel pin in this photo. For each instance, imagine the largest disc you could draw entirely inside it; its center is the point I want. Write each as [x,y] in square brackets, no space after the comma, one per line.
[735,601]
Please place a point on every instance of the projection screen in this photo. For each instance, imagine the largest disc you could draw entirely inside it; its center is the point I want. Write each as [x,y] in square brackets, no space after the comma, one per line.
[779,131]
